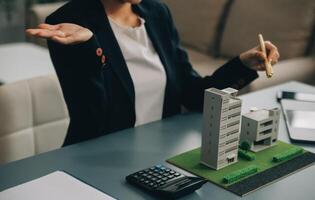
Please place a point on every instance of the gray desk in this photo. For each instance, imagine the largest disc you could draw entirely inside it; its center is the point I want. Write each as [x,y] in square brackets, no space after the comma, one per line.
[104,162]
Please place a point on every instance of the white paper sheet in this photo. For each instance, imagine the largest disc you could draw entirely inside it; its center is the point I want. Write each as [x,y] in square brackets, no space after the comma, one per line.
[55,186]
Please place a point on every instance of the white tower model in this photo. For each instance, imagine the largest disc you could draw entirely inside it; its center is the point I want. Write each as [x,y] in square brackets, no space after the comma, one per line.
[221,127]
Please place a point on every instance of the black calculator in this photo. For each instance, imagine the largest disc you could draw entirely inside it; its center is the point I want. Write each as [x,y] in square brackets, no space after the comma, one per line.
[165,182]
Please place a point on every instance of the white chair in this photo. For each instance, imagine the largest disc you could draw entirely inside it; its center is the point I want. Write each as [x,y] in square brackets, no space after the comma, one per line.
[33,118]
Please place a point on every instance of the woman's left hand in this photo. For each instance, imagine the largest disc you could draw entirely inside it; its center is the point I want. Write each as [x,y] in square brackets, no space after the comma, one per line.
[254,58]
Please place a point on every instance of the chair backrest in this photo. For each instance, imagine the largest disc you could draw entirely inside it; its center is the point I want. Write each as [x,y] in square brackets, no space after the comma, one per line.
[33,117]
[197,22]
[289,24]
[228,27]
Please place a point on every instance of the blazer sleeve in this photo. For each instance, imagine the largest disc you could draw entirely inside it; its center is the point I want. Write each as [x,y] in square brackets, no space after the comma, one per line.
[232,74]
[79,69]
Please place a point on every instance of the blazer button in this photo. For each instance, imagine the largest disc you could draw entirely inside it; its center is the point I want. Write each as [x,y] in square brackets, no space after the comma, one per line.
[99,52]
[103,59]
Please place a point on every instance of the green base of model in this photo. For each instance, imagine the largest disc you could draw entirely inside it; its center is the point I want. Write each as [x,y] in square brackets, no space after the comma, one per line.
[242,169]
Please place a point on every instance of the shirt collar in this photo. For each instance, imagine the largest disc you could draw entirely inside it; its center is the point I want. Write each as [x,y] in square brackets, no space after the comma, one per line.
[124,27]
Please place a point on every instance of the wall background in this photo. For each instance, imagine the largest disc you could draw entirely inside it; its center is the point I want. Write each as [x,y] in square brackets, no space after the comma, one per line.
[12,19]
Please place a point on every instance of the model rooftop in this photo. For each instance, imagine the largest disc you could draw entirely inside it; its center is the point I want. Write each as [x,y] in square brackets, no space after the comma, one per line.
[259,115]
[226,92]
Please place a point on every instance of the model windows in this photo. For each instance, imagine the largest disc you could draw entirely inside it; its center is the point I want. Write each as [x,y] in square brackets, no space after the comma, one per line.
[233,124]
[231,149]
[231,141]
[224,110]
[264,142]
[234,115]
[268,123]
[221,145]
[225,101]
[223,136]
[234,106]
[232,132]
[268,131]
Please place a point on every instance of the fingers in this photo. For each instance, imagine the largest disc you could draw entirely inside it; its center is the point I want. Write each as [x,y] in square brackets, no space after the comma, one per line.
[273,61]
[45,33]
[64,33]
[31,32]
[50,33]
[48,26]
[273,55]
[259,55]
[261,67]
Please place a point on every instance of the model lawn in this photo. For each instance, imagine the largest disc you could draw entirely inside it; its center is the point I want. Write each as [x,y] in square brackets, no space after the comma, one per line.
[249,163]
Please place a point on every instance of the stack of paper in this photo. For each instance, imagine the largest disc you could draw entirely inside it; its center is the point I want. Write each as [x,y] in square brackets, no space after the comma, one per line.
[55,186]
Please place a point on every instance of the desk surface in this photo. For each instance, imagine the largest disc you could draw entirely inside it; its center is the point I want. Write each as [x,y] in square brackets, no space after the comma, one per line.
[104,162]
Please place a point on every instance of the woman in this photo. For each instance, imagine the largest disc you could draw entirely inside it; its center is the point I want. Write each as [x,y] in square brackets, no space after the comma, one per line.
[120,64]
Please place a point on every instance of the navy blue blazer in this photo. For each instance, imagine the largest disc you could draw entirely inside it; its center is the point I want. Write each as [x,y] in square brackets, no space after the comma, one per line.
[95,80]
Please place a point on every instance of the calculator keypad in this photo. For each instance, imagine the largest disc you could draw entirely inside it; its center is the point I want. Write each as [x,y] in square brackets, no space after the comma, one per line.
[156,176]
[165,182]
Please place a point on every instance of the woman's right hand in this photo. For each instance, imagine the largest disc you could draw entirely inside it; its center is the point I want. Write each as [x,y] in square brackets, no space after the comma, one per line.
[64,33]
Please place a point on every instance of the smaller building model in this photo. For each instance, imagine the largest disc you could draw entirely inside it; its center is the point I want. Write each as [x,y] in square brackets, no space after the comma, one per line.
[260,128]
[221,128]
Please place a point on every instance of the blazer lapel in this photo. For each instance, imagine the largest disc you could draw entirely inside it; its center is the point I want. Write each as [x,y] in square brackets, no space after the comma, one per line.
[110,46]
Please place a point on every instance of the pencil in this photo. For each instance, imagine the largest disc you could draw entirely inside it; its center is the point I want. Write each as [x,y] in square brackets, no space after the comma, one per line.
[269,70]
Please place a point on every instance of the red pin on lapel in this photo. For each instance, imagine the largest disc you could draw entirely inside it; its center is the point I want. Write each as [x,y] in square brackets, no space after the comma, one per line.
[99,52]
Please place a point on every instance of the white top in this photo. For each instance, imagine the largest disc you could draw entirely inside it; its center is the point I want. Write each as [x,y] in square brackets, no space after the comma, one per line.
[145,68]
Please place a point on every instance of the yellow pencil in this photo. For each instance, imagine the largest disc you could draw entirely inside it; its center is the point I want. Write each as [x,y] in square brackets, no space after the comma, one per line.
[269,70]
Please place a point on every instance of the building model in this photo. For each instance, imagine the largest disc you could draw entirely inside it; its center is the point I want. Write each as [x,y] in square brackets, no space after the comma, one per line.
[236,143]
[260,128]
[221,128]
